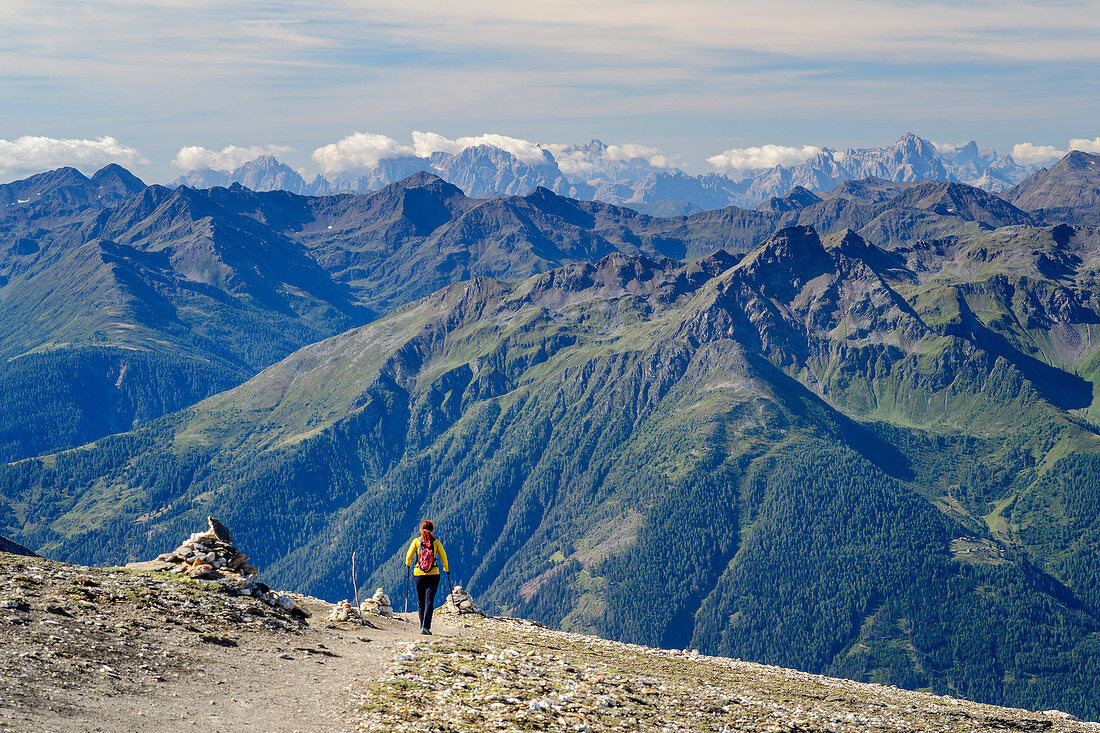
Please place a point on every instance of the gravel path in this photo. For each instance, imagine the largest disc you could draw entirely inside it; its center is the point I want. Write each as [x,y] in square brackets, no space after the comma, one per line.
[93,649]
[97,649]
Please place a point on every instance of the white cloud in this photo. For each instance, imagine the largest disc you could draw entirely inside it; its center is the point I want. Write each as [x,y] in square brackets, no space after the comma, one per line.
[195,157]
[764,156]
[578,162]
[426,143]
[32,154]
[632,151]
[1030,154]
[945,148]
[1085,145]
[358,150]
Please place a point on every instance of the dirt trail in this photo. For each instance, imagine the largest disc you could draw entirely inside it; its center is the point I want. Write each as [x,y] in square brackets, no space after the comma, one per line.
[91,649]
[301,683]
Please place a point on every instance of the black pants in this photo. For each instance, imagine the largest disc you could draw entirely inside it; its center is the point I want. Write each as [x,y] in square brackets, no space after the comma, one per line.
[425,598]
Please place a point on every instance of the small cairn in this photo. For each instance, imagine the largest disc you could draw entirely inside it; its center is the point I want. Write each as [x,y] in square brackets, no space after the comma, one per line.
[458,602]
[378,604]
[344,611]
[210,555]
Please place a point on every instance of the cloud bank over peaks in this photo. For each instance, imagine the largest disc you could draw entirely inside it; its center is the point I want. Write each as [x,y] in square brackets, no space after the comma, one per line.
[358,150]
[596,157]
[1031,154]
[231,157]
[1085,145]
[763,156]
[426,143]
[33,153]
[365,150]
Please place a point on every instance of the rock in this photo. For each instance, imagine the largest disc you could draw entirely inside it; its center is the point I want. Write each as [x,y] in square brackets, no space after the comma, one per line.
[458,602]
[343,611]
[220,531]
[238,559]
[157,565]
[198,570]
[378,604]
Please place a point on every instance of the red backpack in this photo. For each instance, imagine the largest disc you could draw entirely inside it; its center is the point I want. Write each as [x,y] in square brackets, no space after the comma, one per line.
[426,557]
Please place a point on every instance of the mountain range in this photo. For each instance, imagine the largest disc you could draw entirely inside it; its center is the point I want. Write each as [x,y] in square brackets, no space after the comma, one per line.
[849,431]
[485,171]
[99,273]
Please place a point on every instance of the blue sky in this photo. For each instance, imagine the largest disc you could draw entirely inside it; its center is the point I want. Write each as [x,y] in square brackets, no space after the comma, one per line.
[692,78]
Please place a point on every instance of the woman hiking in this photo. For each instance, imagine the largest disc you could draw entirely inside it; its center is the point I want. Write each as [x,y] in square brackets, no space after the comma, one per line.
[427,553]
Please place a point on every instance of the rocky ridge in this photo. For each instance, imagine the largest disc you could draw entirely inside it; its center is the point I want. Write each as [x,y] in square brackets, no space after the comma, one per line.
[97,649]
[509,674]
[210,555]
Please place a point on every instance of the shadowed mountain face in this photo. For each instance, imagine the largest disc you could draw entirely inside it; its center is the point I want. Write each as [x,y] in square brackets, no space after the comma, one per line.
[890,449]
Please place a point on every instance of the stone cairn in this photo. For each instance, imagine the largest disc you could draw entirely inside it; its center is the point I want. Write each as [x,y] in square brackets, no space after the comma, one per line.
[378,604]
[459,601]
[344,611]
[210,555]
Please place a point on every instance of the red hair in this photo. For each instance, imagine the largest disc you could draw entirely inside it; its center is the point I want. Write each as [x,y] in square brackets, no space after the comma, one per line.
[426,528]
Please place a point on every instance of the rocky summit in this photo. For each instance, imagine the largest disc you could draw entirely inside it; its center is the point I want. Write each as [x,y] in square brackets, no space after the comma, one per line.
[109,649]
[211,555]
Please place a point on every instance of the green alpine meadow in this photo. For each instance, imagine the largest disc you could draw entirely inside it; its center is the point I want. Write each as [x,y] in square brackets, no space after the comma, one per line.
[852,432]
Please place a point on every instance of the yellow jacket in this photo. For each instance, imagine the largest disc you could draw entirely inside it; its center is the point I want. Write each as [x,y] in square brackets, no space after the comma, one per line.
[440,558]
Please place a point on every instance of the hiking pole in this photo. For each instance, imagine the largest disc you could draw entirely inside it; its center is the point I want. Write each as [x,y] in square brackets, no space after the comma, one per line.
[407,569]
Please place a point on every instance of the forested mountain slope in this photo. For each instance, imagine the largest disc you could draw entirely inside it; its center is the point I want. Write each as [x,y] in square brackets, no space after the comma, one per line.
[121,302]
[877,462]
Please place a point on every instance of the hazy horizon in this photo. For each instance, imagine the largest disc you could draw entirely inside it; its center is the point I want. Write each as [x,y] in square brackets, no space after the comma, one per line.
[137,81]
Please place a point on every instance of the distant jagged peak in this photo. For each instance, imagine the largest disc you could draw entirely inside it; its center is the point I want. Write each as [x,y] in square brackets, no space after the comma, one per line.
[963,201]
[849,244]
[796,199]
[565,207]
[114,182]
[870,190]
[913,140]
[846,240]
[1080,160]
[114,171]
[658,280]
[625,267]
[787,244]
[424,179]
[1073,183]
[64,186]
[713,264]
[784,262]
[267,160]
[497,155]
[542,193]
[57,178]
[421,181]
